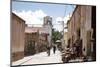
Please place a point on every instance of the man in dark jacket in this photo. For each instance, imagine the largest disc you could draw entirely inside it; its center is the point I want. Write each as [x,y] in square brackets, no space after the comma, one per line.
[48,50]
[54,49]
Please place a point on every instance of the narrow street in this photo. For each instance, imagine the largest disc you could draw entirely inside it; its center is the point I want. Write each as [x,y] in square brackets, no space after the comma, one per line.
[41,58]
[36,32]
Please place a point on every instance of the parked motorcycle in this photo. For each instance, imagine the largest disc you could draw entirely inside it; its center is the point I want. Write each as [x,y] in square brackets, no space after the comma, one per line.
[66,56]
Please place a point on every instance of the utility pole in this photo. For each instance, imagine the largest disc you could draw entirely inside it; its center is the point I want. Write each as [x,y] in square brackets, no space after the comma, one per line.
[62,22]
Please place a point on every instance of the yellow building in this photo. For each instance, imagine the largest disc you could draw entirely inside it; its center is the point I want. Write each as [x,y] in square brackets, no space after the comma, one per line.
[66,39]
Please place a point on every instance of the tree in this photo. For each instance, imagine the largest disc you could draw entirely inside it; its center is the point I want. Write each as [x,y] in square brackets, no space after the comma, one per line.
[56,35]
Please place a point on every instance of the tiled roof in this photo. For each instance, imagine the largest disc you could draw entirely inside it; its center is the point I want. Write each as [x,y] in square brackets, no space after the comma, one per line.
[36,29]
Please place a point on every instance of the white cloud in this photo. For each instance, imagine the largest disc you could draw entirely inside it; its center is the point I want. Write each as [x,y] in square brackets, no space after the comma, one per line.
[59,19]
[65,19]
[59,25]
[31,17]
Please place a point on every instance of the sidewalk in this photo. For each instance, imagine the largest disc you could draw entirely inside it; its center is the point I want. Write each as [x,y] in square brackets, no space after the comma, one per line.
[41,58]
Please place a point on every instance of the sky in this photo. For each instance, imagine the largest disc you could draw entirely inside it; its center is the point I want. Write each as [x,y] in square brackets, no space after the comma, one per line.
[33,13]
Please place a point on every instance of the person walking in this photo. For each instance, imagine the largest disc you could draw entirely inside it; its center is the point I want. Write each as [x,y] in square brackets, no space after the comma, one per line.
[54,49]
[48,50]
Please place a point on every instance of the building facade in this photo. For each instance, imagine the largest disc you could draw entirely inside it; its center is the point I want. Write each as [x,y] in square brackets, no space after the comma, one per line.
[48,25]
[31,41]
[17,37]
[36,40]
[40,37]
[82,30]
[65,39]
[43,41]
